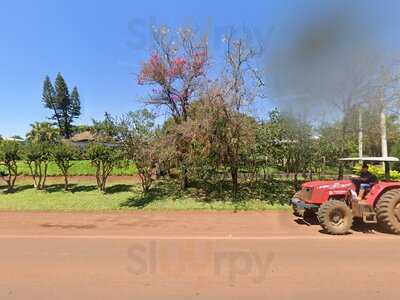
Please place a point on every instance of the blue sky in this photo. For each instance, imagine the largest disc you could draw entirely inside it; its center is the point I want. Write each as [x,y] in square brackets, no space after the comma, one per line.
[98,46]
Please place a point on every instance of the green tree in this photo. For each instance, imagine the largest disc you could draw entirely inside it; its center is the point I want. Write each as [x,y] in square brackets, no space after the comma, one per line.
[330,143]
[37,156]
[75,107]
[63,155]
[139,140]
[104,159]
[227,133]
[10,153]
[106,130]
[42,132]
[66,107]
[293,143]
[219,138]
[269,144]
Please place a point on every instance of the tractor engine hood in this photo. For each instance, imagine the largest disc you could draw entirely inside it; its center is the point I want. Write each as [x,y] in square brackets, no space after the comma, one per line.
[318,192]
[328,185]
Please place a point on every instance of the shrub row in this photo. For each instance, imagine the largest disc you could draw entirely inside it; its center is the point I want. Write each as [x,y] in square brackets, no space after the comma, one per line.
[79,168]
[379,171]
[39,160]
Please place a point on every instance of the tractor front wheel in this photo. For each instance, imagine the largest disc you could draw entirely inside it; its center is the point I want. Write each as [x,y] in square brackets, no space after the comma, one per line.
[335,217]
[388,211]
[298,212]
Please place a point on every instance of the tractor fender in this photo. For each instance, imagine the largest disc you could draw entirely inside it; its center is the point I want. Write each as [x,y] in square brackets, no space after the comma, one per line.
[379,189]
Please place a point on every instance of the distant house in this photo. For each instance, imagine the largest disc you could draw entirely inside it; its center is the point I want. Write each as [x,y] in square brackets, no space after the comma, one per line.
[82,139]
[14,139]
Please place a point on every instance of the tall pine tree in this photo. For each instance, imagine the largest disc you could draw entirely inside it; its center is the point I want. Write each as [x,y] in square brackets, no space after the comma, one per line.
[75,102]
[48,99]
[66,107]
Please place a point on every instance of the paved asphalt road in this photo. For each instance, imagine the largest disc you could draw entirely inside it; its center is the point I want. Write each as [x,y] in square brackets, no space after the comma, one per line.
[191,256]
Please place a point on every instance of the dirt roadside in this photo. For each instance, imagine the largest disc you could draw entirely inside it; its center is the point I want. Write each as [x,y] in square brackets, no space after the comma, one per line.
[190,255]
[202,223]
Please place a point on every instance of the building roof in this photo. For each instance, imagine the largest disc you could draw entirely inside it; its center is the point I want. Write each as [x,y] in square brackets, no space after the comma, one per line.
[85,136]
[13,139]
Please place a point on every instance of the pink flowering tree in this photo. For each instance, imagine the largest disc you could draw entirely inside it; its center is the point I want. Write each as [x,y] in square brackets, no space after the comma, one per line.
[176,71]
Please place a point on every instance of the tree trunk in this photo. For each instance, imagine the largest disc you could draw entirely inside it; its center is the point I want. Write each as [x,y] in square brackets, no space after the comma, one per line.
[183,176]
[7,180]
[45,175]
[33,173]
[65,182]
[265,173]
[103,187]
[235,181]
[296,180]
[184,181]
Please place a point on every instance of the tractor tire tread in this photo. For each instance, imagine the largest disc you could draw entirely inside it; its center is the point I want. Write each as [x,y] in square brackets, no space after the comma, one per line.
[323,215]
[384,209]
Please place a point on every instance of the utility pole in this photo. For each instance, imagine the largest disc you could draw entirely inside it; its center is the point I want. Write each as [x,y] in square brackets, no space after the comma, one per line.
[360,133]
[384,134]
[387,81]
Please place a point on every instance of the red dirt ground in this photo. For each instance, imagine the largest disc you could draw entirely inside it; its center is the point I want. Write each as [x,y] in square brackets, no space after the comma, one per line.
[190,256]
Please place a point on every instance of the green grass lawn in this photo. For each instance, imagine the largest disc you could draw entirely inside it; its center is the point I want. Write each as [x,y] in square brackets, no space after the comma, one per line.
[165,196]
[79,168]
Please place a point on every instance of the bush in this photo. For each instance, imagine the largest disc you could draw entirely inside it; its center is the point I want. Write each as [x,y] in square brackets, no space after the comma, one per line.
[80,168]
[379,171]
[63,155]
[104,159]
[9,156]
[37,156]
[139,144]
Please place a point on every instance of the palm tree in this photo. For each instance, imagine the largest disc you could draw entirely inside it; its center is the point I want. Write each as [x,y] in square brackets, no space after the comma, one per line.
[42,132]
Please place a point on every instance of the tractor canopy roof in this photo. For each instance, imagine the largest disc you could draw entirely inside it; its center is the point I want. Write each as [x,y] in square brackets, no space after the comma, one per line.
[371,159]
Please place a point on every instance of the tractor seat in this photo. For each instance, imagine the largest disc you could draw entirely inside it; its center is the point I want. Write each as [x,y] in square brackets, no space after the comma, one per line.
[368,190]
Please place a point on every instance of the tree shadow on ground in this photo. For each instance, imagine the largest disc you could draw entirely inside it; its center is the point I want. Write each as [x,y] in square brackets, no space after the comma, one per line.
[83,188]
[119,188]
[161,190]
[272,192]
[17,189]
[56,188]
[140,202]
[74,188]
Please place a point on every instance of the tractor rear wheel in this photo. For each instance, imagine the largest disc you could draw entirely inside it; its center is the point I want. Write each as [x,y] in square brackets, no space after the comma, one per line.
[388,211]
[335,217]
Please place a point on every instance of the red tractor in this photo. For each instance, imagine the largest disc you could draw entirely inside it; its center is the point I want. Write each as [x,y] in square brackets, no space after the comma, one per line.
[336,205]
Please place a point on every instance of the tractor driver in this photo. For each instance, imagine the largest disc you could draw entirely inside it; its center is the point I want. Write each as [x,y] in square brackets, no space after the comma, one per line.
[365,181]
